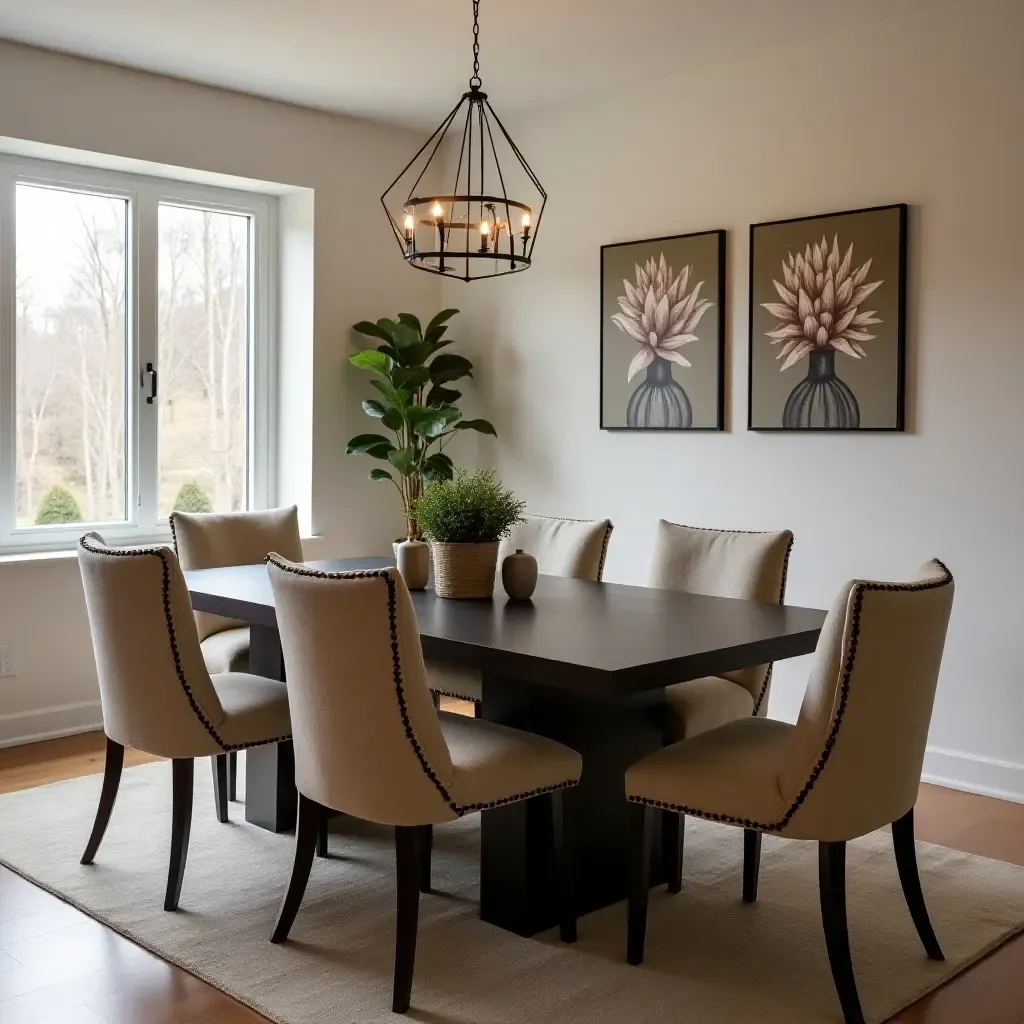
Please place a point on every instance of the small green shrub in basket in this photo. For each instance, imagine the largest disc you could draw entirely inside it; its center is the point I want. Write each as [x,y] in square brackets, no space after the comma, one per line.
[471,508]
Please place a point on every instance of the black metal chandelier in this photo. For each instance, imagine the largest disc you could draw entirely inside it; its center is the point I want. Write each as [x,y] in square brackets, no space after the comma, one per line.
[472,228]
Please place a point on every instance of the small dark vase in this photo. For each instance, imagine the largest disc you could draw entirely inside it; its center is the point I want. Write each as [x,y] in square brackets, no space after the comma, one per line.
[821,399]
[659,400]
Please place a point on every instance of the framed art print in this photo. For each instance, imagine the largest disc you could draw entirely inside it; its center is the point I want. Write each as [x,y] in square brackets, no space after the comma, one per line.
[663,333]
[827,321]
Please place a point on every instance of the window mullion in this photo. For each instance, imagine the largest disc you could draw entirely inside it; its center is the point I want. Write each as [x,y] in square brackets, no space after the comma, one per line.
[8,379]
[145,461]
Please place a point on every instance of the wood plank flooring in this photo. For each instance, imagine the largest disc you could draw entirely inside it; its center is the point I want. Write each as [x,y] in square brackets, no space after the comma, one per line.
[58,965]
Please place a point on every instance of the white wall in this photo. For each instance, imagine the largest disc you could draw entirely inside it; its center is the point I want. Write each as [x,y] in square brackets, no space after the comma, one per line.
[64,101]
[927,111]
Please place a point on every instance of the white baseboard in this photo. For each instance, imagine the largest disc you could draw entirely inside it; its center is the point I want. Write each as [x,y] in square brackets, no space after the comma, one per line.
[972,774]
[49,723]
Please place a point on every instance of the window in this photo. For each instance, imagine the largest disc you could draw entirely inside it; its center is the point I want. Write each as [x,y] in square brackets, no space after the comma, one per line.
[136,365]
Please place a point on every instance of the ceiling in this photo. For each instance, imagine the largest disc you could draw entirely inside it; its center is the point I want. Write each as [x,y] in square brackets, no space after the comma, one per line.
[407,61]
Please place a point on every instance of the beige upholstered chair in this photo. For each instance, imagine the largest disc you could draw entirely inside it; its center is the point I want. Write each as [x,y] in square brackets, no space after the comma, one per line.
[850,765]
[368,741]
[208,540]
[718,563]
[562,547]
[156,692]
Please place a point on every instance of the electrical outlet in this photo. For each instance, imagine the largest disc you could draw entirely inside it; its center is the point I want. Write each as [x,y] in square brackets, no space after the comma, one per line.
[7,666]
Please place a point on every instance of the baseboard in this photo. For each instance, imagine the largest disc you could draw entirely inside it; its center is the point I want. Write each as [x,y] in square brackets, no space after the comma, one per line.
[49,723]
[973,774]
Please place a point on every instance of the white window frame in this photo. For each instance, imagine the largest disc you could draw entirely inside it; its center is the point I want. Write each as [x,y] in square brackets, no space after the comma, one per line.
[144,196]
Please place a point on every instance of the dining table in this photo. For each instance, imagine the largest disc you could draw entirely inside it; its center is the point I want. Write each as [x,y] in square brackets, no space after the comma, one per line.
[583,663]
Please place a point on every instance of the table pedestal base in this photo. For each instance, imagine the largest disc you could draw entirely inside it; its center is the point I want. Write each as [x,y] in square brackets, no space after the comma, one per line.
[517,876]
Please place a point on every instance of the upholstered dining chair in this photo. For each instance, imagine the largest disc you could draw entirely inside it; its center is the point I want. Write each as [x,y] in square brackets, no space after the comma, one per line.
[562,547]
[717,563]
[850,765]
[156,692]
[369,743]
[208,540]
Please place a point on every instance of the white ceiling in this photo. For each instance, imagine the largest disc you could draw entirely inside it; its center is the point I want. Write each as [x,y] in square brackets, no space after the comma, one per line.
[408,60]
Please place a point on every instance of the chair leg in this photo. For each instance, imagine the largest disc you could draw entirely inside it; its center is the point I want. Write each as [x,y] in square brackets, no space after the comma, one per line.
[321,837]
[183,776]
[751,863]
[219,763]
[565,864]
[832,887]
[426,847]
[233,776]
[111,780]
[641,827]
[307,831]
[436,698]
[407,857]
[478,709]
[673,833]
[906,862]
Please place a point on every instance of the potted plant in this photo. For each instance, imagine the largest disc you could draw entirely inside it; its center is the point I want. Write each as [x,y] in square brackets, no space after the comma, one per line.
[415,406]
[465,517]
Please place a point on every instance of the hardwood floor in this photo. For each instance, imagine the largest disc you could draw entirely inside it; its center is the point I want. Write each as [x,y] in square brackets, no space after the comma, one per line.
[57,965]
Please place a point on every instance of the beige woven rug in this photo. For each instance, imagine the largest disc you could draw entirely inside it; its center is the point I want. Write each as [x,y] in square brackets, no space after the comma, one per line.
[710,958]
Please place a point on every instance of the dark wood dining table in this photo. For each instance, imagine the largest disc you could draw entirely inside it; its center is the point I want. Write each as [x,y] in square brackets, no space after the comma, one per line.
[583,663]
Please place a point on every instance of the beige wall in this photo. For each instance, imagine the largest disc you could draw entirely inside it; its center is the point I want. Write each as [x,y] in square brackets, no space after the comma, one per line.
[927,111]
[68,102]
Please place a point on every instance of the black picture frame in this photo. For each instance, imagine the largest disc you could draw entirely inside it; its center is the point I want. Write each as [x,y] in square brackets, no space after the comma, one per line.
[719,300]
[899,424]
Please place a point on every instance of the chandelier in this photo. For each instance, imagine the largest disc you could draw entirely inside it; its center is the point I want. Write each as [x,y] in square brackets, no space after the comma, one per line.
[482,222]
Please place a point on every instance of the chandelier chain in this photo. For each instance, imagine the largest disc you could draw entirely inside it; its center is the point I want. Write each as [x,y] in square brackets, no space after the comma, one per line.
[475,81]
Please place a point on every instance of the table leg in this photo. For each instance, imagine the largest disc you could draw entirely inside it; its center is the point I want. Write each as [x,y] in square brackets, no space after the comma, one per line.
[270,798]
[517,876]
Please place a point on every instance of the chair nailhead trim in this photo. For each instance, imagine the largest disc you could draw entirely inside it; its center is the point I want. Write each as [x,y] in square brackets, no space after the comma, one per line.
[782,598]
[851,655]
[604,549]
[457,696]
[174,534]
[160,553]
[459,809]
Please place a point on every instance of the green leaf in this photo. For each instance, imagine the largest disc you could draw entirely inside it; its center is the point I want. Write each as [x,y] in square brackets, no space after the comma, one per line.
[439,395]
[481,426]
[431,421]
[450,367]
[381,474]
[410,377]
[443,317]
[405,337]
[371,330]
[373,361]
[433,334]
[399,397]
[403,459]
[370,444]
[413,355]
[438,467]
[438,345]
[388,351]
[411,321]
[374,408]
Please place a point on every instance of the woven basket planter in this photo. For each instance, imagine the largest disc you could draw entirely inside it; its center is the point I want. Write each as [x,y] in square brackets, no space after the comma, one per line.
[464,570]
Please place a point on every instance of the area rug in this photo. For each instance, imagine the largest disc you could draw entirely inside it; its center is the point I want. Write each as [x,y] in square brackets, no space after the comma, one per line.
[711,959]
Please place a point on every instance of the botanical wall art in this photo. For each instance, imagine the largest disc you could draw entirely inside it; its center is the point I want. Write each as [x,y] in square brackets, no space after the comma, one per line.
[662,333]
[827,315]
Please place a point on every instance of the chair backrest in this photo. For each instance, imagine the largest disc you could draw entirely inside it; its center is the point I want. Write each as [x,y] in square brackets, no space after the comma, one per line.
[367,738]
[156,693]
[744,564]
[562,547]
[855,761]
[208,540]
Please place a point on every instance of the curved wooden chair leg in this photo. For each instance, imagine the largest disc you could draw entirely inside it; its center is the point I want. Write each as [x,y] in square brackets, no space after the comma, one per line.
[233,776]
[219,763]
[832,886]
[906,862]
[478,709]
[307,831]
[426,848]
[407,857]
[111,780]
[673,835]
[641,828]
[565,865]
[751,863]
[183,776]
[321,837]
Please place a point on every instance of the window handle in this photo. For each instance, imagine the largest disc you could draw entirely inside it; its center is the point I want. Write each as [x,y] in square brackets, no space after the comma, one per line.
[151,397]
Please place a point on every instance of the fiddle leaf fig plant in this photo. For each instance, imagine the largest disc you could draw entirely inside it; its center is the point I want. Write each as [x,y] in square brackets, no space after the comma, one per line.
[418,409]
